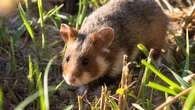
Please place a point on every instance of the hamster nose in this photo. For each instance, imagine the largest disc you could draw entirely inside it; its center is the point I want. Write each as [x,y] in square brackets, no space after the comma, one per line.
[70,79]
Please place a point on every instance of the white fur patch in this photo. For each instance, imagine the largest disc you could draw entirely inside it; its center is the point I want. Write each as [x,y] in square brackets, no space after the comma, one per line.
[102,64]
[66,78]
[74,46]
[118,64]
[106,50]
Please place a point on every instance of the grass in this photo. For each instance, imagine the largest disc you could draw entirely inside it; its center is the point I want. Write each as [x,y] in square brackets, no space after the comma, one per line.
[37,66]
[1,99]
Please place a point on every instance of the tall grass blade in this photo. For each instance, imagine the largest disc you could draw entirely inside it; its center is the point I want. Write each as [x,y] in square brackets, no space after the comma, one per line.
[69,107]
[55,10]
[27,101]
[161,88]
[27,24]
[39,85]
[1,99]
[26,5]
[78,15]
[164,78]
[41,22]
[41,92]
[178,78]
[13,59]
[145,81]
[187,63]
[30,76]
[190,101]
[46,83]
[51,13]
[30,99]
[82,13]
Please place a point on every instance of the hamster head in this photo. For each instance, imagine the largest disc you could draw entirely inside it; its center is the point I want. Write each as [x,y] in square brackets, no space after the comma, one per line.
[85,57]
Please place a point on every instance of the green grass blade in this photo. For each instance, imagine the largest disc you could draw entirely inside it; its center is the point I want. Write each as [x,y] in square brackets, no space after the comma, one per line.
[95,3]
[113,103]
[60,84]
[145,81]
[27,24]
[78,15]
[190,101]
[39,85]
[30,99]
[164,78]
[84,10]
[143,49]
[62,16]
[46,83]
[161,88]
[30,75]
[178,78]
[51,13]
[13,59]
[41,92]
[69,107]
[26,5]
[1,99]
[187,63]
[27,101]
[41,22]
[81,13]
[55,10]
[105,1]
[129,93]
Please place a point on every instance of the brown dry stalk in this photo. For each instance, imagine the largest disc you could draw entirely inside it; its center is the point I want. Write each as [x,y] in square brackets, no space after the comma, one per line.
[102,103]
[142,83]
[124,80]
[173,99]
[80,103]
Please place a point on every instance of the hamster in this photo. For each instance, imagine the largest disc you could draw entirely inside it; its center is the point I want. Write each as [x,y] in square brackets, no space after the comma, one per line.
[108,33]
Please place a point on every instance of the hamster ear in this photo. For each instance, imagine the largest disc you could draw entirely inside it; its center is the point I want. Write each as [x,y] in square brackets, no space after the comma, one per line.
[67,33]
[103,38]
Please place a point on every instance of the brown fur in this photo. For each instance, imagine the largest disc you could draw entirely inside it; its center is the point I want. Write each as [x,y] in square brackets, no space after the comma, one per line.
[117,27]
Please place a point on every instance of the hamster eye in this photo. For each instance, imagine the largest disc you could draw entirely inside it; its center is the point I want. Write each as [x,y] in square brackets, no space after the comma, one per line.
[85,61]
[67,58]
